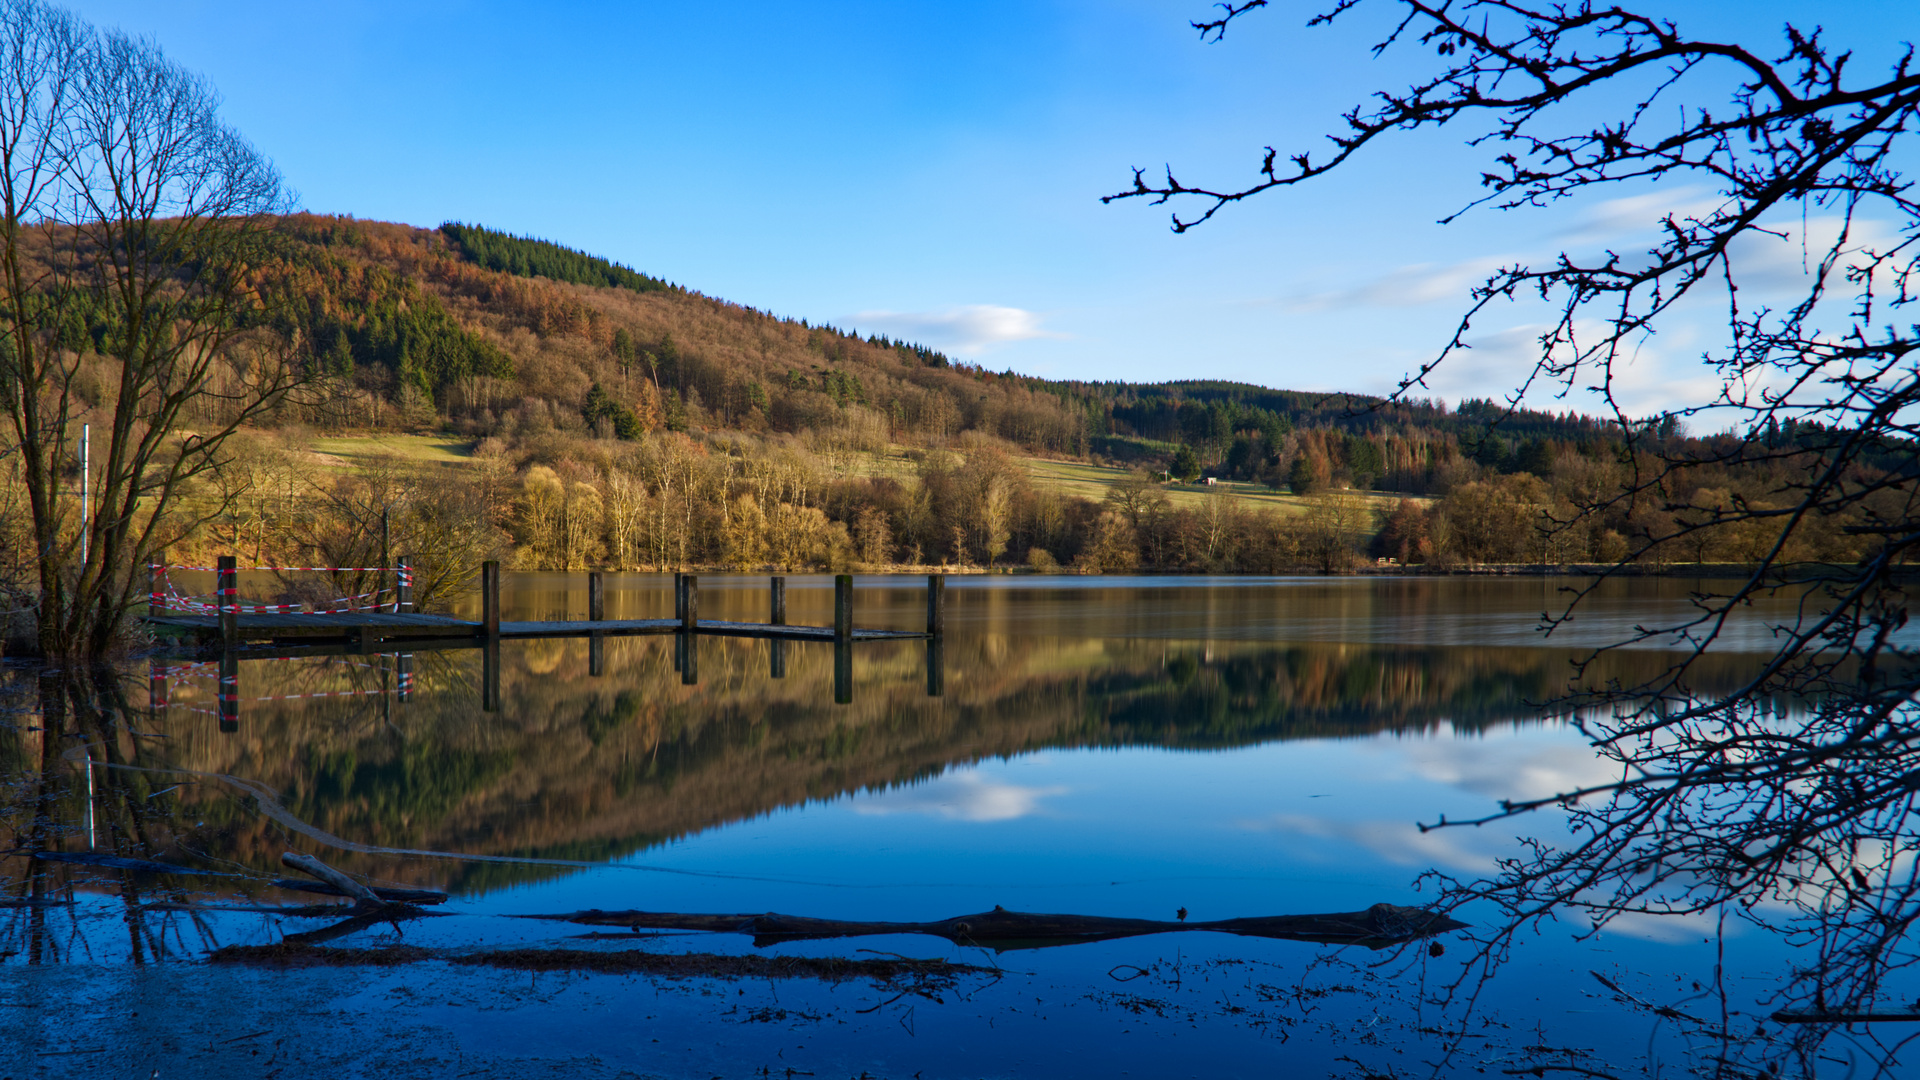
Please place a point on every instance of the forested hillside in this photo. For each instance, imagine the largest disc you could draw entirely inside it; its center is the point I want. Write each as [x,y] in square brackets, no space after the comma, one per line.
[616,419]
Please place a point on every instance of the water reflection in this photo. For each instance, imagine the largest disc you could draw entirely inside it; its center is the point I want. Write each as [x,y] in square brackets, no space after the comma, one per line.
[1049,749]
[677,737]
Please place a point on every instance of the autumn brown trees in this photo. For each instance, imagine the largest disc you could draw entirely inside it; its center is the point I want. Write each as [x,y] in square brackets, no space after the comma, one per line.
[129,216]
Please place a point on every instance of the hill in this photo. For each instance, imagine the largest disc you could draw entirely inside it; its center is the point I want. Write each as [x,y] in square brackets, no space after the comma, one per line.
[568,411]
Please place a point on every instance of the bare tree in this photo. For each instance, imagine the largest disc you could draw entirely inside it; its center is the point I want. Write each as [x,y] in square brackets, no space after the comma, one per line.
[1788,800]
[129,217]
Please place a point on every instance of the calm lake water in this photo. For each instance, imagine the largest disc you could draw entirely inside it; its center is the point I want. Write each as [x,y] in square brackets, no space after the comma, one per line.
[1097,746]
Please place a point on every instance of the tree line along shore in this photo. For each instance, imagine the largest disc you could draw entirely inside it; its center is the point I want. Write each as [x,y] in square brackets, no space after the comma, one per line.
[605,418]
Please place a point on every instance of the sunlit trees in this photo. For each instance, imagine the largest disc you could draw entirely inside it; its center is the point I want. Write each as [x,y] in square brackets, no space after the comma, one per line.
[129,218]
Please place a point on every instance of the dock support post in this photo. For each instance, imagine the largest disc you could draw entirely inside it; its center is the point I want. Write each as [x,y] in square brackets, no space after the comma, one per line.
[842,671]
[777,601]
[156,572]
[490,599]
[53,710]
[403,671]
[363,641]
[490,675]
[403,592]
[679,597]
[227,590]
[689,603]
[229,691]
[690,662]
[777,657]
[936,605]
[936,667]
[157,693]
[596,654]
[386,557]
[596,597]
[843,607]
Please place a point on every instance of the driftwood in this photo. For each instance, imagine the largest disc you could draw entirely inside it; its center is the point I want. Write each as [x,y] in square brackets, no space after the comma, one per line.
[1788,1016]
[1379,926]
[116,862]
[391,896]
[347,886]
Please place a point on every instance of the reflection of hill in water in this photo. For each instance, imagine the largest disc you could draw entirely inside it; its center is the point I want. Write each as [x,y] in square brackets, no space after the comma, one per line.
[593,768]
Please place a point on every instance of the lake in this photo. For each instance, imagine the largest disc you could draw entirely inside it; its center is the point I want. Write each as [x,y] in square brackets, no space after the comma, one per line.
[1176,749]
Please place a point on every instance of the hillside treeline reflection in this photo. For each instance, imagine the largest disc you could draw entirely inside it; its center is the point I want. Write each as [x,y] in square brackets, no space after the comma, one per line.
[584,767]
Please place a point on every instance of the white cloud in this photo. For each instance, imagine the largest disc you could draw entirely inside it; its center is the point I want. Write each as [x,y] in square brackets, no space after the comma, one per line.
[1634,215]
[964,796]
[972,328]
[1408,286]
[1507,768]
[1398,842]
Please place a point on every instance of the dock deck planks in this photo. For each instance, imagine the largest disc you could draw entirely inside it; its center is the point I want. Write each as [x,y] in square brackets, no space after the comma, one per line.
[388,626]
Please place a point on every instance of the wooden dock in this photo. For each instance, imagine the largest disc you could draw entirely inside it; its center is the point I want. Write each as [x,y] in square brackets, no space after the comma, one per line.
[384,626]
[403,632]
[365,628]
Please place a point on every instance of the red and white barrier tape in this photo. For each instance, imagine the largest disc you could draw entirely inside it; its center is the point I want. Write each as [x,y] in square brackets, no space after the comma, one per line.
[227,599]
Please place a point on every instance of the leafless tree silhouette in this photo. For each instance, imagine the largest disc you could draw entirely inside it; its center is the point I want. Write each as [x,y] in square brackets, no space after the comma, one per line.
[130,216]
[1789,800]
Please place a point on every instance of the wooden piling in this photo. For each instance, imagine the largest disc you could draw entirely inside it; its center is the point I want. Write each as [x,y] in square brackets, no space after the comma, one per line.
[53,710]
[403,590]
[777,658]
[490,675]
[596,597]
[690,663]
[386,550]
[777,601]
[843,607]
[157,692]
[403,671]
[679,597]
[490,599]
[690,603]
[937,605]
[363,642]
[843,671]
[936,667]
[227,592]
[596,654]
[229,691]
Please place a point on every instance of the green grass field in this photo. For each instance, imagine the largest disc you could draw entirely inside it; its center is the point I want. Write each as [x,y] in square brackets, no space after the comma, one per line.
[1093,481]
[426,449]
[1066,477]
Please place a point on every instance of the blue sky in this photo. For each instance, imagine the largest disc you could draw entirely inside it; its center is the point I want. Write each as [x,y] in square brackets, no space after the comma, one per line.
[933,170]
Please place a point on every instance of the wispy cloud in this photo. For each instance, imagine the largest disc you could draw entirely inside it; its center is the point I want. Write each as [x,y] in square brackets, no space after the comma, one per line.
[1408,286]
[1398,842]
[965,796]
[972,328]
[1636,215]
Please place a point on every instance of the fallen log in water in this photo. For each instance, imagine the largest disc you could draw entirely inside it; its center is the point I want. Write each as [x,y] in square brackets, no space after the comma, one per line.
[913,974]
[1377,927]
[391,896]
[116,862]
[345,885]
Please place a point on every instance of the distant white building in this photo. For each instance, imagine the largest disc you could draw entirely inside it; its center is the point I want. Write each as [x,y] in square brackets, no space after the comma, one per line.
[1210,481]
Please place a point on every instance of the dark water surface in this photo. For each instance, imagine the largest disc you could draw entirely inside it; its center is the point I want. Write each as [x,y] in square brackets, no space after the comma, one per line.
[1116,747]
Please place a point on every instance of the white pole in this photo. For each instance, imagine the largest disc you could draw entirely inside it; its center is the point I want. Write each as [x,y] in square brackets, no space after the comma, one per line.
[86,431]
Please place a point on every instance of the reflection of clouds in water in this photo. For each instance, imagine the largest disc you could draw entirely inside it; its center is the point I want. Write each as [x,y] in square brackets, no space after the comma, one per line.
[1398,842]
[1675,929]
[961,796]
[1504,768]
